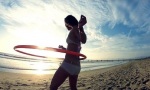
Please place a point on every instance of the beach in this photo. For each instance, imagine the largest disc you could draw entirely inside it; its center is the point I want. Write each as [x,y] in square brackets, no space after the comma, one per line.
[134,75]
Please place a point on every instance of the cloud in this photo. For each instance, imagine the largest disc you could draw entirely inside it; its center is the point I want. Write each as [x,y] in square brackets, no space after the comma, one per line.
[135,22]
[132,13]
[33,17]
[45,16]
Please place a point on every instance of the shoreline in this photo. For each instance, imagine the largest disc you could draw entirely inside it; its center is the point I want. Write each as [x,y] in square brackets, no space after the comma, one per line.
[130,76]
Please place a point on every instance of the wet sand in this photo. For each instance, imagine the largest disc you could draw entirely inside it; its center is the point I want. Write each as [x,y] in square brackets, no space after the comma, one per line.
[130,76]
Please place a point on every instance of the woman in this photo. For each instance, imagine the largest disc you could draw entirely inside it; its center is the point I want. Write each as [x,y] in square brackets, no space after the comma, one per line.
[70,67]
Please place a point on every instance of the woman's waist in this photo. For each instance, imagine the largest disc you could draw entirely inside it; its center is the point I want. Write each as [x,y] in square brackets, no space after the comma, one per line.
[73,61]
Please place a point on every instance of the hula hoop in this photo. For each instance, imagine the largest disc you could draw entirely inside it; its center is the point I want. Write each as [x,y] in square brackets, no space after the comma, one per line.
[47,49]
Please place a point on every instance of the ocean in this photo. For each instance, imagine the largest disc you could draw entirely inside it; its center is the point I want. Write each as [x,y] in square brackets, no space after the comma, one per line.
[26,65]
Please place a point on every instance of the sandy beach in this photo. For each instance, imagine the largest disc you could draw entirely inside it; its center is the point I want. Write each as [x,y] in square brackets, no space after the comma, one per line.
[130,76]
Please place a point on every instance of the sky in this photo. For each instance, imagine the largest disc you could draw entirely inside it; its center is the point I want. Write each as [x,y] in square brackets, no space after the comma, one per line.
[116,29]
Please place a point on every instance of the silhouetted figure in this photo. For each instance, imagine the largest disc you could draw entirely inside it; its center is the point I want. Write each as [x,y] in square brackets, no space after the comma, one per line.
[70,67]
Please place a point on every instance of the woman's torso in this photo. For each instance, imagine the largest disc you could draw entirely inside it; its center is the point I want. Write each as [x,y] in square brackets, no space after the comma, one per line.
[72,61]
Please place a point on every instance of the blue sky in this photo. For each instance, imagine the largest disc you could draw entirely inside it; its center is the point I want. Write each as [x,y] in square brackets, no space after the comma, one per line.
[116,29]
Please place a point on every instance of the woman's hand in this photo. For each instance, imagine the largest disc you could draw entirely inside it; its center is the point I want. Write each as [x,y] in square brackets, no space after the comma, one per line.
[82,21]
[60,46]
